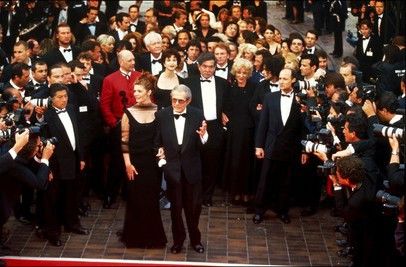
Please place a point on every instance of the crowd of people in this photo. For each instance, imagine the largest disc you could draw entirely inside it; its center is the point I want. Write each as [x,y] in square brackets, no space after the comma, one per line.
[192,97]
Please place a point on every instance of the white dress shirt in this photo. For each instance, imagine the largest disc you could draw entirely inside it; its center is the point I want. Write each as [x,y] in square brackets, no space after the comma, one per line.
[156,68]
[183,72]
[121,34]
[180,129]
[286,105]
[209,98]
[365,43]
[222,73]
[67,124]
[68,55]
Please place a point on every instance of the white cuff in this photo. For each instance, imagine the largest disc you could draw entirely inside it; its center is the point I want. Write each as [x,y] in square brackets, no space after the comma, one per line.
[45,161]
[204,138]
[350,149]
[13,154]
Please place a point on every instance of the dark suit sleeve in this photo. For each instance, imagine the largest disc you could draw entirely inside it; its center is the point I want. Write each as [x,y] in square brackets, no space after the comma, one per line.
[158,136]
[263,123]
[6,163]
[29,178]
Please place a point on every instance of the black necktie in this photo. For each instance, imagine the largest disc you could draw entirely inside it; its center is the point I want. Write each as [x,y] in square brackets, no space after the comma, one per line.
[155,61]
[125,75]
[61,111]
[201,80]
[67,50]
[273,84]
[223,69]
[178,115]
[285,95]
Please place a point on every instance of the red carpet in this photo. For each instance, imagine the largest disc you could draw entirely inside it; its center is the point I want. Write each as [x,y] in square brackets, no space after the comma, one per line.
[67,262]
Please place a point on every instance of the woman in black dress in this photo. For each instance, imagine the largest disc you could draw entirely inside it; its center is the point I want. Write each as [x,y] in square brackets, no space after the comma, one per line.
[167,79]
[142,224]
[240,133]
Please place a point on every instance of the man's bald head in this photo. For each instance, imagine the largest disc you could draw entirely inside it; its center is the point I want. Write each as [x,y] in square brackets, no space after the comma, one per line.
[126,60]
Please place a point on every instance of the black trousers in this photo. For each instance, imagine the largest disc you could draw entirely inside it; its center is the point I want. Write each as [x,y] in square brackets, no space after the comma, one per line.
[188,197]
[212,158]
[116,171]
[60,206]
[274,186]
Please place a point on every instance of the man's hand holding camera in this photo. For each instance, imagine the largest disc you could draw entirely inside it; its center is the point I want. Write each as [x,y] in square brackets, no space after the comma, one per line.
[21,140]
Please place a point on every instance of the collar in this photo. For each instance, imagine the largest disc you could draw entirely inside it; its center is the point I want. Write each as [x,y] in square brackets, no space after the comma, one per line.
[59,109]
[289,93]
[211,78]
[91,71]
[61,48]
[134,22]
[183,112]
[222,67]
[380,16]
[395,119]
[176,27]
[14,85]
[122,72]
[152,57]
[120,31]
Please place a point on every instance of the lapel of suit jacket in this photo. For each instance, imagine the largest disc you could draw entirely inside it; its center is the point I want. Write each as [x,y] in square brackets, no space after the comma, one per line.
[197,98]
[171,127]
[219,95]
[74,123]
[58,124]
[279,111]
[187,132]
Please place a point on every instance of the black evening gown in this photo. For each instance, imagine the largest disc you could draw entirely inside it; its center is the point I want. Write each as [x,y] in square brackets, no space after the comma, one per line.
[143,224]
[239,157]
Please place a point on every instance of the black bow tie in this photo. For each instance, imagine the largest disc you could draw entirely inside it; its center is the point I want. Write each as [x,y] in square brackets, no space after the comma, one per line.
[61,111]
[155,61]
[379,17]
[223,69]
[273,84]
[285,95]
[91,24]
[86,78]
[309,51]
[67,50]
[178,115]
[38,84]
[205,80]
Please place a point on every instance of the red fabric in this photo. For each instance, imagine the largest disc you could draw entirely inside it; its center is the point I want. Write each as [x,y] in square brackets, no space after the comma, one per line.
[110,101]
[329,188]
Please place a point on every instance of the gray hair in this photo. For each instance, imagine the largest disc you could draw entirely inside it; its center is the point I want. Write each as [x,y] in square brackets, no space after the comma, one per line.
[242,63]
[105,39]
[152,37]
[181,88]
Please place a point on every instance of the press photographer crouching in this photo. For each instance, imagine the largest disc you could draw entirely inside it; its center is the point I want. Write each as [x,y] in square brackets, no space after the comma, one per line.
[359,211]
[25,171]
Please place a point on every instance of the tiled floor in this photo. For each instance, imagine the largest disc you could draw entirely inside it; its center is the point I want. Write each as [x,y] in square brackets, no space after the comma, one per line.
[228,234]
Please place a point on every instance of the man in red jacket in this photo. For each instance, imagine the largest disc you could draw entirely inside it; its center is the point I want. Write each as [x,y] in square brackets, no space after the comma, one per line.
[117,95]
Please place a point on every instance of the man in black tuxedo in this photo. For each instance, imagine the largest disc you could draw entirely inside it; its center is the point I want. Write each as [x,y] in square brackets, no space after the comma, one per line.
[223,64]
[181,133]
[65,51]
[384,26]
[136,25]
[208,91]
[61,194]
[123,25]
[39,71]
[89,26]
[368,50]
[311,38]
[151,60]
[278,142]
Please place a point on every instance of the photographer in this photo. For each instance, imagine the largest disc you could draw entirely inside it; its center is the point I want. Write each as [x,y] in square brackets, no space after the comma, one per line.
[22,173]
[360,209]
[383,111]
[7,159]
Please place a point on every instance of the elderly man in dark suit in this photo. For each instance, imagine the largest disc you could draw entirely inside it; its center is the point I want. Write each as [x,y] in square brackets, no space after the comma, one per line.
[208,90]
[278,143]
[181,133]
[61,195]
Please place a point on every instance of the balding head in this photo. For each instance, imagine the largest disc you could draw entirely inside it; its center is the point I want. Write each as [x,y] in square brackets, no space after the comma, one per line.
[126,60]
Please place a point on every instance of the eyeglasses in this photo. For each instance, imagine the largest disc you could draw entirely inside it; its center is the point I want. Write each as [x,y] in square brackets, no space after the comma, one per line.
[179,101]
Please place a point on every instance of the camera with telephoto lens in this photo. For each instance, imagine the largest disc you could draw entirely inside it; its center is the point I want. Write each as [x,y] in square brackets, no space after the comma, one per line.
[10,132]
[310,147]
[368,92]
[40,102]
[387,131]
